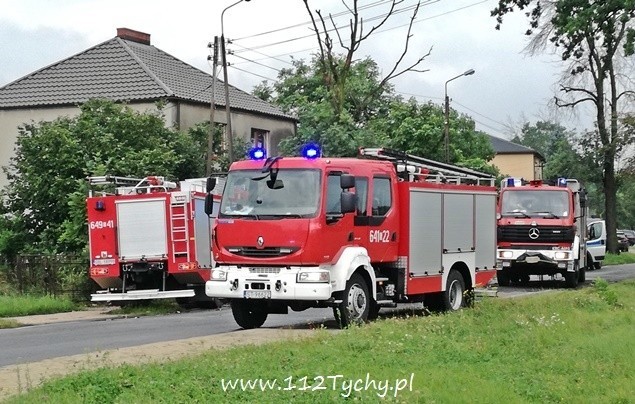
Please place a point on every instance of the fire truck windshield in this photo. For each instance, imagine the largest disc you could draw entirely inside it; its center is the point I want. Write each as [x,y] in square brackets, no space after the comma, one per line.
[247,194]
[529,203]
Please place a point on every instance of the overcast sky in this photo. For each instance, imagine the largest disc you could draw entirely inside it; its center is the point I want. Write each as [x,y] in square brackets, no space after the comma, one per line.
[508,87]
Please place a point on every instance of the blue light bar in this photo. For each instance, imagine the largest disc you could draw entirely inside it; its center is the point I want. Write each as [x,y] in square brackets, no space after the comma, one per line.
[510,182]
[311,151]
[257,153]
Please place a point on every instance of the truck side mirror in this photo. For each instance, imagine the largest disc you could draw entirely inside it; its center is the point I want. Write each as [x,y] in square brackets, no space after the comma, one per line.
[348,202]
[347,181]
[211,184]
[209,204]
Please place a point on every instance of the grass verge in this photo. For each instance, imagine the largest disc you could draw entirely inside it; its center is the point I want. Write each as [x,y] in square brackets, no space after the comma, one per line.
[26,305]
[619,259]
[572,346]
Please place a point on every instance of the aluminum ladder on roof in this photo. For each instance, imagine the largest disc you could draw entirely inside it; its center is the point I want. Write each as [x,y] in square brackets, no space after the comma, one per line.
[457,173]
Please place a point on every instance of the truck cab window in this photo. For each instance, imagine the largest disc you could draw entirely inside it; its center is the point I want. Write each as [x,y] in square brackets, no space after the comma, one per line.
[382,197]
[333,191]
[361,190]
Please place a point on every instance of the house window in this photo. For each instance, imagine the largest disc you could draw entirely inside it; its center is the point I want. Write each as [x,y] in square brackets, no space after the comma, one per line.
[259,138]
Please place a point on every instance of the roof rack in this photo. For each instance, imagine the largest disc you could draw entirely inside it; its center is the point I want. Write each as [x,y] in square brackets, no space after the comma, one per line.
[128,185]
[435,171]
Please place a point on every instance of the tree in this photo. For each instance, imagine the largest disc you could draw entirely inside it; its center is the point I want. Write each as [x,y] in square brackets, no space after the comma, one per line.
[594,36]
[44,203]
[336,68]
[387,121]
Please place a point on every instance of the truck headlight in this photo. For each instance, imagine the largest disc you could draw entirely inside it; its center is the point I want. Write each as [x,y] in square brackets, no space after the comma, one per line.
[314,276]
[218,275]
[505,254]
[562,255]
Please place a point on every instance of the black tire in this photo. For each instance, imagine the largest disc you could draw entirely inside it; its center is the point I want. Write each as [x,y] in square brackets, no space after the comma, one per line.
[249,313]
[571,278]
[373,312]
[453,298]
[503,278]
[590,265]
[356,303]
[582,275]
[598,265]
[523,279]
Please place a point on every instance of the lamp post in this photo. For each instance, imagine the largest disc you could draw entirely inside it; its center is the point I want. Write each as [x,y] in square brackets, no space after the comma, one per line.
[447,115]
[230,143]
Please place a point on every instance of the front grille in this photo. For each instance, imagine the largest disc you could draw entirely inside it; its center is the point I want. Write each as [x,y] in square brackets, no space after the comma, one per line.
[264,270]
[546,234]
[266,252]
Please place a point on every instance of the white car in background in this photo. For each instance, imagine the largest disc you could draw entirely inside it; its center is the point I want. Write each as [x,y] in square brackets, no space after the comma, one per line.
[596,243]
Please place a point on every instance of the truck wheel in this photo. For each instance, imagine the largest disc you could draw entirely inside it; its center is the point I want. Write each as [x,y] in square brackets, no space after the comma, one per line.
[571,278]
[503,278]
[356,303]
[453,298]
[582,275]
[249,313]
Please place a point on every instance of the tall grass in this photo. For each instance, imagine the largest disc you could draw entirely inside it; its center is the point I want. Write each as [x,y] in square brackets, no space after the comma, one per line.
[24,305]
[570,345]
[619,259]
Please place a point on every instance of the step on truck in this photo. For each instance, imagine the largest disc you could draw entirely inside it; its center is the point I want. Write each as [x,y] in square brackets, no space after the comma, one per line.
[149,238]
[542,230]
[354,234]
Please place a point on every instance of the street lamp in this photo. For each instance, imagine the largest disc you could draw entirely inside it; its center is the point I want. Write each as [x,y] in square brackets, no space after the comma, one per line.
[230,143]
[447,115]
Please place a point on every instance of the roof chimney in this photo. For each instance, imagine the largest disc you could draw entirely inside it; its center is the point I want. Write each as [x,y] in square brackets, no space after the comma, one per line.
[134,36]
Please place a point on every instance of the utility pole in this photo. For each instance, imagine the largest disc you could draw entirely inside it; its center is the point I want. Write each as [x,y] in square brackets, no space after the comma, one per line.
[210,139]
[446,125]
[230,142]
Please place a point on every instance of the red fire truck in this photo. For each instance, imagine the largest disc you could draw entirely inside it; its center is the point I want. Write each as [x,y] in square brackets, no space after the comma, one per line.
[149,239]
[542,230]
[355,234]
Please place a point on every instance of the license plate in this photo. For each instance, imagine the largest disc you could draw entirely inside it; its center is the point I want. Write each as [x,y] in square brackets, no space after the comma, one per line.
[104,261]
[257,294]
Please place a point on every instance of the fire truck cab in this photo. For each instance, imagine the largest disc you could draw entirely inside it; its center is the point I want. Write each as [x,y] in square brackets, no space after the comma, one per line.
[355,234]
[542,230]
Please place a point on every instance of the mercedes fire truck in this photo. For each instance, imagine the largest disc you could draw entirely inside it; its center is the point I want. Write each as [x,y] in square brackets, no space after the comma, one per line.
[542,230]
[354,234]
[149,239]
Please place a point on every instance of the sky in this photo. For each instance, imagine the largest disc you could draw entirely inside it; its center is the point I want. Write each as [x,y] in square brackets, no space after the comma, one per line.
[508,88]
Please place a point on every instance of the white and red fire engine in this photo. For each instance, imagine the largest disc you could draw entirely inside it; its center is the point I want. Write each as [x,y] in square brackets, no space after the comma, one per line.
[542,230]
[149,239]
[355,234]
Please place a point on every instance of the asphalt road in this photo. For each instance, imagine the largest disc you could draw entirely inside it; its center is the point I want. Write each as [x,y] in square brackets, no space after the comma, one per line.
[35,343]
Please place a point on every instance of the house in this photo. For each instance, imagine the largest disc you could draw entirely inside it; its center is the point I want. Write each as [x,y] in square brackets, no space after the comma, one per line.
[127,68]
[515,160]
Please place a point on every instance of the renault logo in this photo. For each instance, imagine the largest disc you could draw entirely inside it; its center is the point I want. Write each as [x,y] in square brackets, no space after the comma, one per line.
[534,233]
[260,241]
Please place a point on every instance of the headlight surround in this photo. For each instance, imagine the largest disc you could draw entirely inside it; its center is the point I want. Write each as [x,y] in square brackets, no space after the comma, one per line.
[314,277]
[218,275]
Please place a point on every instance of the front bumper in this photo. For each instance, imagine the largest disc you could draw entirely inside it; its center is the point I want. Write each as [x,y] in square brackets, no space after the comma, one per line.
[536,261]
[268,283]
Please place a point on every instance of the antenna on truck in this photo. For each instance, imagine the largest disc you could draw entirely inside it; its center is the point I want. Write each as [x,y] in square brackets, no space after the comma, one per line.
[431,169]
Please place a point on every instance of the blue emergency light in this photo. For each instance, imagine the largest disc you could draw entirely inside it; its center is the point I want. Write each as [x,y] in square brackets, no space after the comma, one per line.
[311,151]
[257,153]
[562,182]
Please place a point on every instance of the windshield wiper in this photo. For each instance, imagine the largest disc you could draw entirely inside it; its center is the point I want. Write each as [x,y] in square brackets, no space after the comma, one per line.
[517,213]
[240,216]
[547,213]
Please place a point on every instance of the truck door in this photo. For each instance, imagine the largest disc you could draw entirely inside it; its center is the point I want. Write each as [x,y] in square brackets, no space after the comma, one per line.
[376,220]
[338,231]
